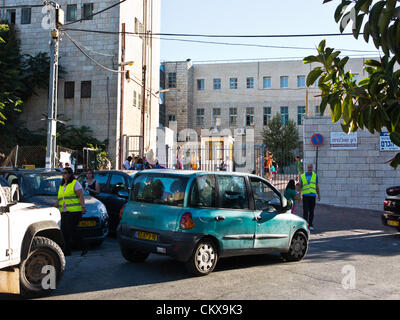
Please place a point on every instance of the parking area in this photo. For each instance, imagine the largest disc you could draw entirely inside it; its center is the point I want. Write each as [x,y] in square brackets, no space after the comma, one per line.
[351,256]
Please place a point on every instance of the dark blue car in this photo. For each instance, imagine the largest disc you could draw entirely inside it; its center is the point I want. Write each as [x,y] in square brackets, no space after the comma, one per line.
[115,186]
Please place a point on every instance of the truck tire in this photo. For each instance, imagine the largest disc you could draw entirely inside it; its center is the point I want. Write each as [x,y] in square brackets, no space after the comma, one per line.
[43,252]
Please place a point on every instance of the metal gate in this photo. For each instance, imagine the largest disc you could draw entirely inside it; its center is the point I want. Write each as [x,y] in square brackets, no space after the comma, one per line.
[278,168]
[132,146]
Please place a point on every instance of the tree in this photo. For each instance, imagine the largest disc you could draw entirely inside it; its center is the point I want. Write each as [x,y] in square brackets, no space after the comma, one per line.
[281,139]
[374,102]
[21,75]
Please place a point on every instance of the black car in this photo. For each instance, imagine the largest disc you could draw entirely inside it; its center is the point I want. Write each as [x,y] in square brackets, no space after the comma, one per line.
[391,205]
[115,186]
[41,188]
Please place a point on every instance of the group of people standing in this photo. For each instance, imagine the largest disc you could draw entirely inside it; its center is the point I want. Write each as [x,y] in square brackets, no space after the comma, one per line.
[138,163]
[270,167]
[307,189]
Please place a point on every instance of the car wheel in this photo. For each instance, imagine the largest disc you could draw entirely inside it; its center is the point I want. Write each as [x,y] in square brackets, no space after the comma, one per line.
[44,252]
[204,258]
[133,255]
[298,247]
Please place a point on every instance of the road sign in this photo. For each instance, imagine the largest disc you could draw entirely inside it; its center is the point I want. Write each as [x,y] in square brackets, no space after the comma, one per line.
[317,139]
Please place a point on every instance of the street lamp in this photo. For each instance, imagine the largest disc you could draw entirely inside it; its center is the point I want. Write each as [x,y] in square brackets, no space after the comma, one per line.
[127,63]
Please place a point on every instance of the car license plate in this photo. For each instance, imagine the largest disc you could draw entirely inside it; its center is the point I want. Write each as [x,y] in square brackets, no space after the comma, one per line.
[393,223]
[146,236]
[87,223]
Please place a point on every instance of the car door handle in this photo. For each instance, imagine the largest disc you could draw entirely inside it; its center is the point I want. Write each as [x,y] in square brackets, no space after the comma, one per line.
[258,218]
[220,218]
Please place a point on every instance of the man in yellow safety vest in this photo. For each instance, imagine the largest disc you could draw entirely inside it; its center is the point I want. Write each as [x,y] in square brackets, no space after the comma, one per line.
[310,191]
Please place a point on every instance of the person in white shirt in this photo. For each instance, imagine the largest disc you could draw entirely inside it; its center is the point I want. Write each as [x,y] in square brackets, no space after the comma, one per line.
[127,163]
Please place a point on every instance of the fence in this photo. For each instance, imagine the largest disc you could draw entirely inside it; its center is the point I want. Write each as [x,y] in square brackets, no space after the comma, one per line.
[30,157]
[229,159]
[278,167]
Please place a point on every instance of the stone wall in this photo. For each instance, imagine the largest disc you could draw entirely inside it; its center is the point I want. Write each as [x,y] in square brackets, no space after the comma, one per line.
[350,178]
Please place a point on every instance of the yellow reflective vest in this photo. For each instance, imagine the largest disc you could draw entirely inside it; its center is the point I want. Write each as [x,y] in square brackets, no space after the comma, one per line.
[309,188]
[69,197]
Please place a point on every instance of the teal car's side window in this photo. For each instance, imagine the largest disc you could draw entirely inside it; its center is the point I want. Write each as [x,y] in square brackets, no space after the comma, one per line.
[202,193]
[232,192]
[264,197]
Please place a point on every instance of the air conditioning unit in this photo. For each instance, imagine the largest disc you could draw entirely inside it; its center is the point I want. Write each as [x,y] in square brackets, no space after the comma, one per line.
[240,131]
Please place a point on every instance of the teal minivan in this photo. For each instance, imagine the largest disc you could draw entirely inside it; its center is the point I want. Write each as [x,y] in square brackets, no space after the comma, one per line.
[198,217]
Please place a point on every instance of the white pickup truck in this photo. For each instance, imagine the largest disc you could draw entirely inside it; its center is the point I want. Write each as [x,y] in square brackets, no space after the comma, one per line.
[31,260]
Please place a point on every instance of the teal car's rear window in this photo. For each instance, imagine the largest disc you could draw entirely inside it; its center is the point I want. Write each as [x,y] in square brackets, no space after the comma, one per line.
[160,189]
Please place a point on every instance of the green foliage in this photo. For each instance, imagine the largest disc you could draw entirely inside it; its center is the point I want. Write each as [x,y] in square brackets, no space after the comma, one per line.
[21,75]
[281,139]
[374,102]
[77,138]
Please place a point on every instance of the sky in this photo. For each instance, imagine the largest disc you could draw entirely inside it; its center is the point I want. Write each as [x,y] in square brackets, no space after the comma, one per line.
[256,17]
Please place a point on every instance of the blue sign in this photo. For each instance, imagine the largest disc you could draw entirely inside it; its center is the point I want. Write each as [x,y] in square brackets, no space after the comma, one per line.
[317,139]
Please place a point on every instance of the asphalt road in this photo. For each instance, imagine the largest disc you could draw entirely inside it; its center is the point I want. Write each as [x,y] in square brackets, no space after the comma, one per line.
[351,256]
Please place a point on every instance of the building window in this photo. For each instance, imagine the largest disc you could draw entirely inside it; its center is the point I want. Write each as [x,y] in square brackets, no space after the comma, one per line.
[233,83]
[284,82]
[200,117]
[26,15]
[11,16]
[301,111]
[69,89]
[200,84]
[301,81]
[216,119]
[87,11]
[139,101]
[267,115]
[317,110]
[134,98]
[285,115]
[267,82]
[172,80]
[72,12]
[250,83]
[86,89]
[171,117]
[232,116]
[249,116]
[217,84]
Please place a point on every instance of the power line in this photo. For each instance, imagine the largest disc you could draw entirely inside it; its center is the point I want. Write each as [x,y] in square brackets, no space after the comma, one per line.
[156,35]
[89,57]
[256,45]
[221,35]
[95,14]
[91,50]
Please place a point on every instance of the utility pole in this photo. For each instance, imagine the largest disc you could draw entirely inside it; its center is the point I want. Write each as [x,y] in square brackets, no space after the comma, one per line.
[53,86]
[121,117]
[144,72]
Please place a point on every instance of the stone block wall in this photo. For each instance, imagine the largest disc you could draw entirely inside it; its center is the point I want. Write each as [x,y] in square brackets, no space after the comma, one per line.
[350,178]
